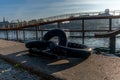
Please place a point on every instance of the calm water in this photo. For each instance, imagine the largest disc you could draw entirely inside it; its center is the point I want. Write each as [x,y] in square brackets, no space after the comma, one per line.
[92,42]
[97,42]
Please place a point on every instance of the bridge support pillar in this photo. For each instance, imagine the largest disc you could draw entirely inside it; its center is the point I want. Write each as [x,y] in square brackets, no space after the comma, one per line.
[110,24]
[6,34]
[112,44]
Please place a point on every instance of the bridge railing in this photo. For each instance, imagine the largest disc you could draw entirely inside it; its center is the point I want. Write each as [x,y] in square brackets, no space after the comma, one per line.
[65,16]
[84,14]
[36,33]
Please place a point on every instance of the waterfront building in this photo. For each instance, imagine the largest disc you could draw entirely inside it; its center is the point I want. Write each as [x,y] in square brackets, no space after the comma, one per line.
[4,23]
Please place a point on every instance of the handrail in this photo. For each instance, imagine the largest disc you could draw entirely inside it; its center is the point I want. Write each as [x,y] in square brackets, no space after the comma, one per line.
[112,37]
[66,30]
[108,34]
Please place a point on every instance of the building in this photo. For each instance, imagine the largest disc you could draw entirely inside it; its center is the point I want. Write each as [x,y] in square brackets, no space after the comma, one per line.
[105,13]
[4,23]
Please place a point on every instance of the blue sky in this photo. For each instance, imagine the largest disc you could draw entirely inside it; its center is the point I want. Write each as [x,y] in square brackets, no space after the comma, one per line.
[34,9]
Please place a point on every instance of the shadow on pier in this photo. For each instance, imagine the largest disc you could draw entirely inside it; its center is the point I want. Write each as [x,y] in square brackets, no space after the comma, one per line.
[41,63]
[46,67]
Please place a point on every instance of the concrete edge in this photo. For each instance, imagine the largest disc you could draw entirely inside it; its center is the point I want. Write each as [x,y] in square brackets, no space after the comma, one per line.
[42,74]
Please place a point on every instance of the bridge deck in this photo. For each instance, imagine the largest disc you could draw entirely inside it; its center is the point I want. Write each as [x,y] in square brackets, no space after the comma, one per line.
[96,67]
[59,20]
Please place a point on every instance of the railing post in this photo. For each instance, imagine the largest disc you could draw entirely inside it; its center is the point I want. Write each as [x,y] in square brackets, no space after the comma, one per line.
[83,32]
[36,33]
[41,34]
[110,24]
[23,35]
[17,35]
[112,39]
[112,43]
[58,24]
[6,34]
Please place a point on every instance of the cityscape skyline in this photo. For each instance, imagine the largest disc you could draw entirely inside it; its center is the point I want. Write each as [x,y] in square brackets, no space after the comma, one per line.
[35,9]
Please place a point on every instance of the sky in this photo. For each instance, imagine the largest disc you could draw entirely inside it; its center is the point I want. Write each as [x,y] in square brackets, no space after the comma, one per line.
[36,9]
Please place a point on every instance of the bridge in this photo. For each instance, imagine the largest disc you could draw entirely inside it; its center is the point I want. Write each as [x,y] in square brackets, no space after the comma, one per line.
[68,17]
[19,28]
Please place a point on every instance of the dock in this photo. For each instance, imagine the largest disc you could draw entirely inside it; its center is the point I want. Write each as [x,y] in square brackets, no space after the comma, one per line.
[96,67]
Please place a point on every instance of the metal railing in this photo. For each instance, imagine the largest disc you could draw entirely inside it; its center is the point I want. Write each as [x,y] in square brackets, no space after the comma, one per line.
[83,14]
[37,34]
[34,32]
